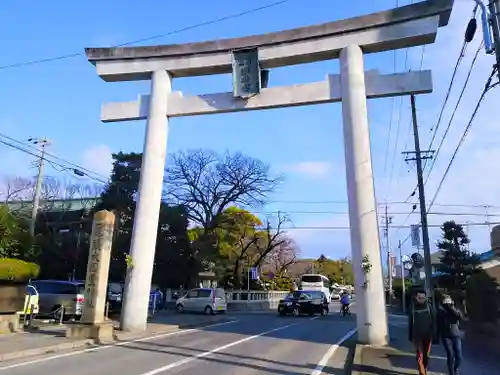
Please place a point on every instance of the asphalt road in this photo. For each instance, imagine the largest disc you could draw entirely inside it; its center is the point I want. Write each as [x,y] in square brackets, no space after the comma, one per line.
[251,344]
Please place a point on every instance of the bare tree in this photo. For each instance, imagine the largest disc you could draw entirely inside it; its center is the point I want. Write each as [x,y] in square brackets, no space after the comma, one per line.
[282,256]
[206,183]
[15,189]
[271,238]
[55,194]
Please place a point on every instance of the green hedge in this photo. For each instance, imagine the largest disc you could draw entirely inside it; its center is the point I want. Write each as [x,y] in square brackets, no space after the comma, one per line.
[16,270]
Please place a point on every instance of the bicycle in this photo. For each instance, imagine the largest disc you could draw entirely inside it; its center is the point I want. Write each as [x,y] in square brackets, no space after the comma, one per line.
[344,310]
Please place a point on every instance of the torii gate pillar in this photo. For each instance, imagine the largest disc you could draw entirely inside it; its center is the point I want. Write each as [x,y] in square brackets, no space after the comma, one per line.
[365,241]
[145,229]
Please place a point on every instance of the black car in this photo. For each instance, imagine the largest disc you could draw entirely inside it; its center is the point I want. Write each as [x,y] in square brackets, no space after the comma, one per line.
[304,302]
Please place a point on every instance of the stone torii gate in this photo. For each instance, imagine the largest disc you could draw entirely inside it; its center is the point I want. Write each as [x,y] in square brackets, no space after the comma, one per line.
[347,40]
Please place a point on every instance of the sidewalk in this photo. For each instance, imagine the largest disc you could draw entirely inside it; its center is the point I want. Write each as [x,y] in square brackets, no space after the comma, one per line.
[52,338]
[399,358]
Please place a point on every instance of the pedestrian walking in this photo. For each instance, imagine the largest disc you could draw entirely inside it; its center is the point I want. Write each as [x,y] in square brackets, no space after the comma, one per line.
[422,329]
[448,326]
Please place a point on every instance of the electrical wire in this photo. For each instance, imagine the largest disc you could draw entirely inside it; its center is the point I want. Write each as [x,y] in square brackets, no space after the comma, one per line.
[435,128]
[391,113]
[487,87]
[486,223]
[48,154]
[436,154]
[379,214]
[323,202]
[146,39]
[398,125]
[37,154]
[64,167]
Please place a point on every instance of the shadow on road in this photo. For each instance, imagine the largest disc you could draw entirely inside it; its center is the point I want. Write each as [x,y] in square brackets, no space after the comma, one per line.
[258,362]
[224,358]
[341,324]
[268,366]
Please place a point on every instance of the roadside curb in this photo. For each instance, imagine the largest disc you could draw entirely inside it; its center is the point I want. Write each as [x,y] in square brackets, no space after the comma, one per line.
[123,336]
[119,338]
[358,359]
[46,350]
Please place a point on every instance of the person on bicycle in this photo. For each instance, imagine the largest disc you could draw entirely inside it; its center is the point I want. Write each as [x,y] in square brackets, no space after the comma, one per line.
[344,300]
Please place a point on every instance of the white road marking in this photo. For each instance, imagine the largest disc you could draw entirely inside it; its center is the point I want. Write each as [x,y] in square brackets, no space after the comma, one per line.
[148,338]
[218,349]
[329,354]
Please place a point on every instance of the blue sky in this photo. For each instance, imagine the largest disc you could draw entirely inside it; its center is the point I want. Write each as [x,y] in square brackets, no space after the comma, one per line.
[61,100]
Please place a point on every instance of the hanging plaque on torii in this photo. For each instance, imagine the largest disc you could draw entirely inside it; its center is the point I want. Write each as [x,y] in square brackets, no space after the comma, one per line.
[248,77]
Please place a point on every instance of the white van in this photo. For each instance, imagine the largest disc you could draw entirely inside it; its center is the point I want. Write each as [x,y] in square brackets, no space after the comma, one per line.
[207,300]
[316,282]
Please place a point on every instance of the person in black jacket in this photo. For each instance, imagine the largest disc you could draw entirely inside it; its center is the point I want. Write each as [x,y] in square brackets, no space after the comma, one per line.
[448,326]
[422,329]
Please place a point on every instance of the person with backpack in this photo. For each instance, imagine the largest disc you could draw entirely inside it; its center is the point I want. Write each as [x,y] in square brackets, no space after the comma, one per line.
[422,329]
[448,325]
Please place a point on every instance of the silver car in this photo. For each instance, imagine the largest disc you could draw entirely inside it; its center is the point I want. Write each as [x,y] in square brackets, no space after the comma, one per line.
[55,294]
[207,300]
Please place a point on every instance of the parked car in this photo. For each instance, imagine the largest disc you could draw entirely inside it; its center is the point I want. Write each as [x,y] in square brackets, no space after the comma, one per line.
[207,300]
[304,302]
[54,294]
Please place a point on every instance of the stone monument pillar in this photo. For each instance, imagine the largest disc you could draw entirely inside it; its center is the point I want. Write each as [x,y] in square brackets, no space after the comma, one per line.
[93,323]
[365,242]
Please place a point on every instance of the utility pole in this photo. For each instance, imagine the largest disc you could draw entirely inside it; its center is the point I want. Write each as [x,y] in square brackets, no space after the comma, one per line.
[387,220]
[403,279]
[421,196]
[494,10]
[490,21]
[39,179]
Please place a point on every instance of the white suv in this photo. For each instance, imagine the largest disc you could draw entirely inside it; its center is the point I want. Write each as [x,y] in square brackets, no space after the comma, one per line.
[207,300]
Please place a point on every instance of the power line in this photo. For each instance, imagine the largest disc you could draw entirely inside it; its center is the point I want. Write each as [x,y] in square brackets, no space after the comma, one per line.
[36,153]
[433,163]
[435,128]
[389,213]
[487,87]
[79,167]
[398,124]
[177,31]
[486,223]
[64,167]
[379,204]
[391,113]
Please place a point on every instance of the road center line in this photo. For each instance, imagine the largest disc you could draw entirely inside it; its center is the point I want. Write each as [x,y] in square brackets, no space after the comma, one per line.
[218,349]
[329,354]
[97,348]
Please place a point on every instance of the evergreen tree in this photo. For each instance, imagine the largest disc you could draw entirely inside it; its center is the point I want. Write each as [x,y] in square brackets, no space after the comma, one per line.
[457,263]
[173,252]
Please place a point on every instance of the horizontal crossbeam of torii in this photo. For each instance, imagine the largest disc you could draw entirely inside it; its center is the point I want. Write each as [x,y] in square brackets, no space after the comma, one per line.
[348,40]
[328,91]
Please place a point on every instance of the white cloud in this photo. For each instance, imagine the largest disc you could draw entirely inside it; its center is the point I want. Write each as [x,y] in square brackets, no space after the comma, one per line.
[98,159]
[310,168]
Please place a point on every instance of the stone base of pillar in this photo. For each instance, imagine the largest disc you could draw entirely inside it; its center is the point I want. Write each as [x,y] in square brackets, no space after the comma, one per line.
[100,333]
